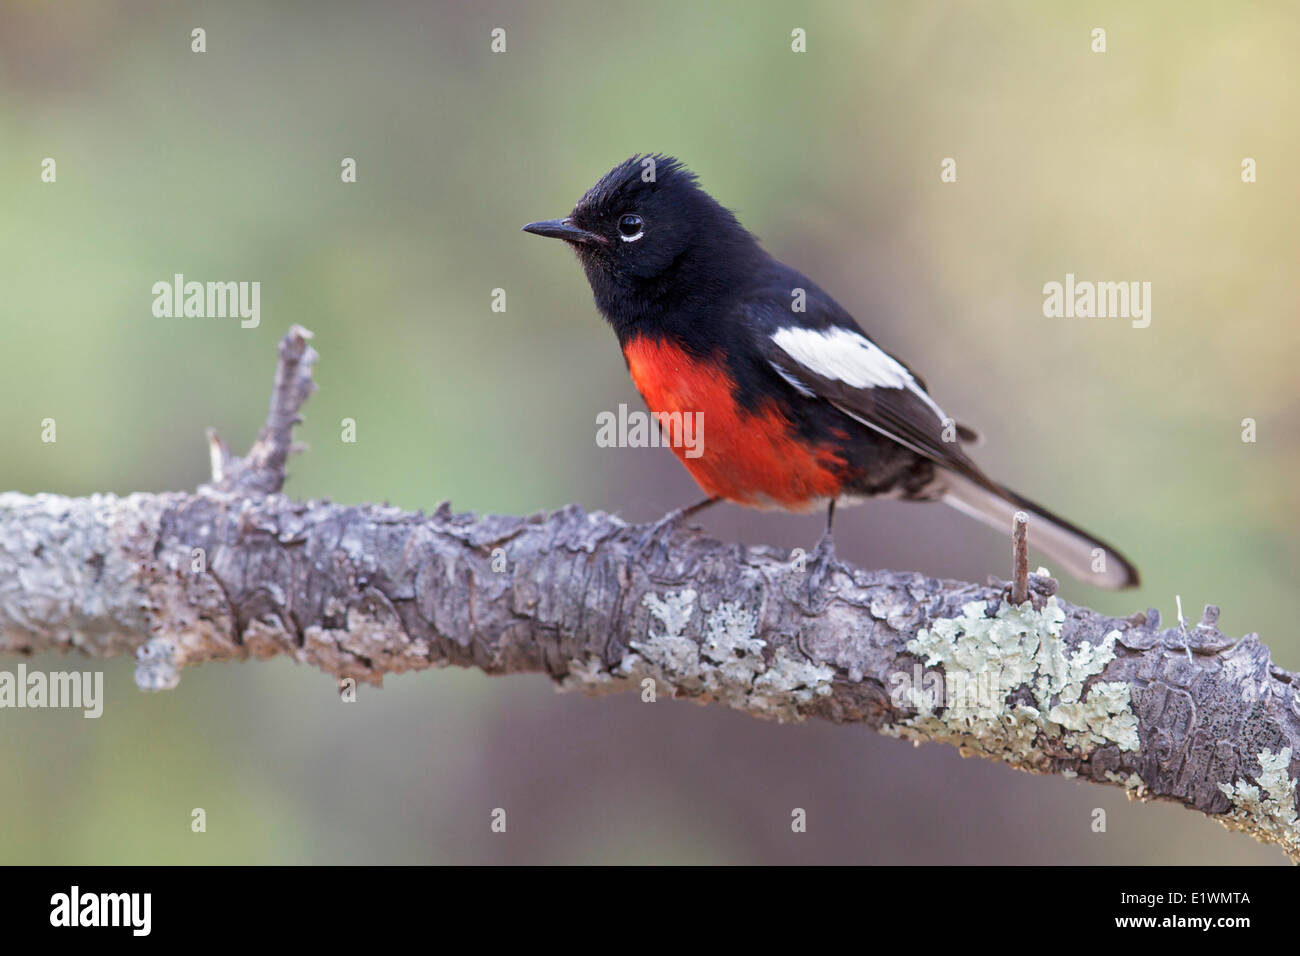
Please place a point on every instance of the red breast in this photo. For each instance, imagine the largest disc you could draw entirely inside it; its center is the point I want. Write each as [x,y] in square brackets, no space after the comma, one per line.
[750,456]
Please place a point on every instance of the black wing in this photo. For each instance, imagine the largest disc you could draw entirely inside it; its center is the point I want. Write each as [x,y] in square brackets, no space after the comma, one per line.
[822,352]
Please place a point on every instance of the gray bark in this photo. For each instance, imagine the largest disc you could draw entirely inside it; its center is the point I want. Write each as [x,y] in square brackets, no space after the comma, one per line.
[237,570]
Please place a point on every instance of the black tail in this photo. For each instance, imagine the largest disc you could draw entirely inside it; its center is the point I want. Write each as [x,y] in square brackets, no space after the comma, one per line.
[1084,556]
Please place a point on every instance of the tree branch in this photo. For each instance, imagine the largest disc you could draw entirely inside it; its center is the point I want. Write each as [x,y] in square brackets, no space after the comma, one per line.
[237,570]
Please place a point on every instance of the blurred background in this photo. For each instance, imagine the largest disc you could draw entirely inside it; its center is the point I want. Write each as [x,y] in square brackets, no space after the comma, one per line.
[226,166]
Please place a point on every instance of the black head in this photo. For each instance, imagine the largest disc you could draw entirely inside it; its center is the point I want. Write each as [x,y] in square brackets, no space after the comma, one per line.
[652,242]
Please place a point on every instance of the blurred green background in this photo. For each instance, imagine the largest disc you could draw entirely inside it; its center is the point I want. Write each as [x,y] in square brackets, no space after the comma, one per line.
[226,166]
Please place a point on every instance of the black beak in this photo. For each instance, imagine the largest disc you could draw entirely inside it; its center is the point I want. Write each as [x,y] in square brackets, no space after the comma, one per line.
[562,229]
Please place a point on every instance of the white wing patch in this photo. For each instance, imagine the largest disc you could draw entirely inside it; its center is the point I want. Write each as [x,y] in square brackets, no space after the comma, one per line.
[848,357]
[797,385]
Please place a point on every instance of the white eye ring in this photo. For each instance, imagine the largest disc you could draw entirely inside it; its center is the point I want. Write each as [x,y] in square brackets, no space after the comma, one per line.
[631,219]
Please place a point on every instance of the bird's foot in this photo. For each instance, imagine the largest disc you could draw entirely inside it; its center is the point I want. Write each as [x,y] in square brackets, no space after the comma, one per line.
[821,564]
[656,537]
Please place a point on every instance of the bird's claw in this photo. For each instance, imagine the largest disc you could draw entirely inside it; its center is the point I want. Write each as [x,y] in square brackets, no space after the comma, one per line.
[822,562]
[656,537]
[662,530]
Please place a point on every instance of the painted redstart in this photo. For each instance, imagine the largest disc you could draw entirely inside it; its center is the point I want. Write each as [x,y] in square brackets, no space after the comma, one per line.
[801,408]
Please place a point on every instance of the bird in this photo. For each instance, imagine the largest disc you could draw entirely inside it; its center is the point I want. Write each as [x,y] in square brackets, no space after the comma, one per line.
[801,408]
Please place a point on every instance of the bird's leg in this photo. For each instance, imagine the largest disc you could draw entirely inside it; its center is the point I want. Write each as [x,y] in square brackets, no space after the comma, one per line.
[823,556]
[825,544]
[659,532]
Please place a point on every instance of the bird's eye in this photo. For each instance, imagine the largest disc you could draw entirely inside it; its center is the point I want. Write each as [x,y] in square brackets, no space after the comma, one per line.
[630,227]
